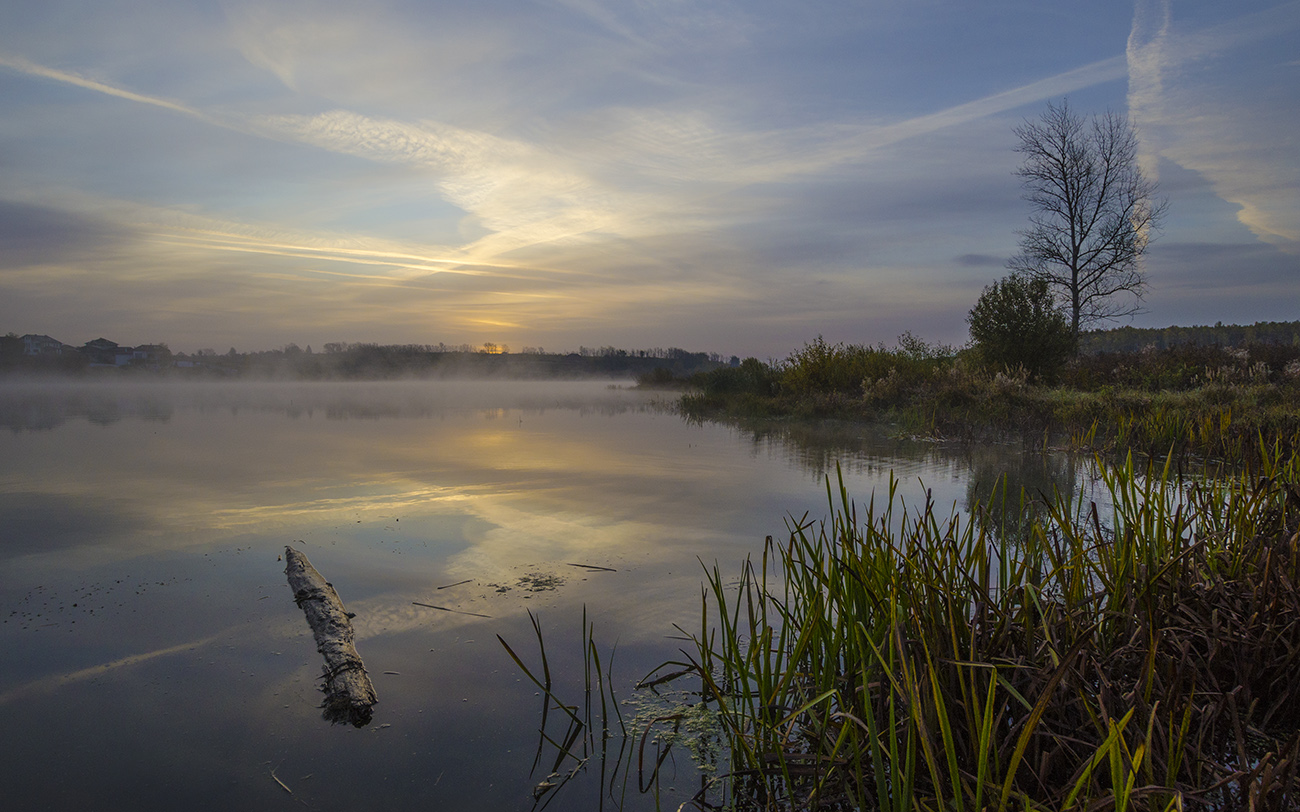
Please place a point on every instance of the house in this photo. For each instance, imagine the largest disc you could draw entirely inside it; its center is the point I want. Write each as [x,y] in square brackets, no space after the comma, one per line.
[151,355]
[40,345]
[103,352]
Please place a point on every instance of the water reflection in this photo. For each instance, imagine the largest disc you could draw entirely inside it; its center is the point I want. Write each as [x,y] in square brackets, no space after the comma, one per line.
[827,446]
[147,620]
[1008,489]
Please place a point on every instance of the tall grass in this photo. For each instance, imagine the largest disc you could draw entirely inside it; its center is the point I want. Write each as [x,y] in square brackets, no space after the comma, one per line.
[820,378]
[906,660]
[1205,401]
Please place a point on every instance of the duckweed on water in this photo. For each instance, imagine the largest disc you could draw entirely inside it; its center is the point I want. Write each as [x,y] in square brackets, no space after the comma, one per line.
[692,725]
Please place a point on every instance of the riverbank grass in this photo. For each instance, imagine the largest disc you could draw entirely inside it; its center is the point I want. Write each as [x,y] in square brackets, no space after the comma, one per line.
[1206,401]
[895,658]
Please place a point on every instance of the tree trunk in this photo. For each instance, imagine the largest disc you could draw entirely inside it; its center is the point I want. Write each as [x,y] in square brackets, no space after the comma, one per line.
[349,693]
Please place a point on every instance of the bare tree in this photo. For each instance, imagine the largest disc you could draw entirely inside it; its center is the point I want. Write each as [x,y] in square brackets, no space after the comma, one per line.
[1094,213]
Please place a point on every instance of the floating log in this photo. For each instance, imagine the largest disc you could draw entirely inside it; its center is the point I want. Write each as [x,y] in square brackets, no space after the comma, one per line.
[349,694]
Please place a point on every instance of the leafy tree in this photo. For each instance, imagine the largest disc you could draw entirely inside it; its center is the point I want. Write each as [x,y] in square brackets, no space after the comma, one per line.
[1094,213]
[1016,323]
[11,349]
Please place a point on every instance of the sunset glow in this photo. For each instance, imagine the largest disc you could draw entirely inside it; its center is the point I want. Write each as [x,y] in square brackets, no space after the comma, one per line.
[720,176]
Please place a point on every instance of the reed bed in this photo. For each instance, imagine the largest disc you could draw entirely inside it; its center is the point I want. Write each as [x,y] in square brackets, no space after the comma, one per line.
[900,659]
[1200,401]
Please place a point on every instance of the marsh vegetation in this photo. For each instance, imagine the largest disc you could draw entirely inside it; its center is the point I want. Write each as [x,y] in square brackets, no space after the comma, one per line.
[1207,400]
[1037,653]
[1143,660]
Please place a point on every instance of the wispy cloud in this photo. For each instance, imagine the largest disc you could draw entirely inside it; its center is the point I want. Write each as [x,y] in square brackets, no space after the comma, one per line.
[630,173]
[30,68]
[387,257]
[1226,133]
[625,173]
[1105,70]
[577,168]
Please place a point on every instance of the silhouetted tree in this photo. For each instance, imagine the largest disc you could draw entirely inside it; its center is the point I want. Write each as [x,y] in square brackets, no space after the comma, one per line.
[1094,213]
[11,349]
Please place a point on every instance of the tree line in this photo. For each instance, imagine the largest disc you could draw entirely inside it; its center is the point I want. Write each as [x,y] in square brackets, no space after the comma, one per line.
[372,361]
[1132,339]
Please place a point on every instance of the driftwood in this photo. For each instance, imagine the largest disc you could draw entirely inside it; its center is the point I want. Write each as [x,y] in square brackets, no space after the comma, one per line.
[349,693]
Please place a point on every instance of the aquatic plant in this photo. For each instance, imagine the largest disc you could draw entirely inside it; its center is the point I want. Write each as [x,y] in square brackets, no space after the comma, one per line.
[1194,400]
[592,738]
[585,729]
[906,660]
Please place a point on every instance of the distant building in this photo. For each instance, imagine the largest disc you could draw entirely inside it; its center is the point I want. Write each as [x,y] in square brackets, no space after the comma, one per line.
[151,355]
[41,345]
[103,352]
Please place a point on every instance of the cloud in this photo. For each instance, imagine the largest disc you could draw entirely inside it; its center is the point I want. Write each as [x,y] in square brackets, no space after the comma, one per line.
[520,192]
[37,235]
[629,173]
[613,168]
[1061,84]
[1253,266]
[1201,283]
[617,173]
[1229,132]
[981,261]
[490,64]
[30,68]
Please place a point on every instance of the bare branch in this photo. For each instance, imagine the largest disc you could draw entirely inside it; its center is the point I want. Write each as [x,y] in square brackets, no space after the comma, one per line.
[1094,213]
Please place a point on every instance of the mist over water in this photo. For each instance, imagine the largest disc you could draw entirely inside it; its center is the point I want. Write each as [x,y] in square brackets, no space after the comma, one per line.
[155,658]
[36,404]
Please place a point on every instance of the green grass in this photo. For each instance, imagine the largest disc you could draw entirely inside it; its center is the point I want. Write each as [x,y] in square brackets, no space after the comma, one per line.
[1036,655]
[1030,656]
[900,659]
[1204,401]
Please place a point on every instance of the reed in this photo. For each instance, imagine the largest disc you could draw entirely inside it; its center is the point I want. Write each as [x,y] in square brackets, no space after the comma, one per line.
[584,729]
[1197,401]
[902,659]
[584,735]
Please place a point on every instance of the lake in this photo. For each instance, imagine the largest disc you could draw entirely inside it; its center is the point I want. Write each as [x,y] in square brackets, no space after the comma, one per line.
[153,654]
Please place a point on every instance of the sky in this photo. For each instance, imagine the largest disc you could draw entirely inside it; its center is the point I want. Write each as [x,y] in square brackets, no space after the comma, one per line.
[731,177]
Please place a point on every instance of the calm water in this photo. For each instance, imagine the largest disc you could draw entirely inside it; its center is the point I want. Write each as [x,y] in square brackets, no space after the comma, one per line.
[153,657]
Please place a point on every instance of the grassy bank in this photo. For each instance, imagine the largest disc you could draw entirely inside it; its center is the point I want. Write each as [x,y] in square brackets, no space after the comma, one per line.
[1207,400]
[1070,661]
[1038,654]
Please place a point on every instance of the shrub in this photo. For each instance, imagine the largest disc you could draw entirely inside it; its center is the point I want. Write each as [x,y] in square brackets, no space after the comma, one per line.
[751,377]
[659,376]
[821,368]
[854,369]
[1016,324]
